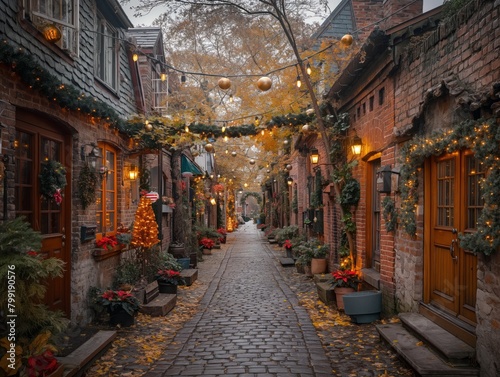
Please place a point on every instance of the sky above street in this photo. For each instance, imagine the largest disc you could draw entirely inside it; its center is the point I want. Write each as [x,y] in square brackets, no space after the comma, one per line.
[147,20]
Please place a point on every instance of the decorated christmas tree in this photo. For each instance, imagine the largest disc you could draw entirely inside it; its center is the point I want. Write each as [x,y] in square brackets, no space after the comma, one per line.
[145,232]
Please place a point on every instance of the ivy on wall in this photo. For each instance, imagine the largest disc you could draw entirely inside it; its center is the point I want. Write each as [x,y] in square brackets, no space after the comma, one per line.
[483,138]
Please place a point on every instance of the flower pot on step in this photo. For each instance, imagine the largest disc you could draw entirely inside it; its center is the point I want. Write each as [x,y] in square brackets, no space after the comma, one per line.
[318,265]
[119,316]
[339,295]
[167,288]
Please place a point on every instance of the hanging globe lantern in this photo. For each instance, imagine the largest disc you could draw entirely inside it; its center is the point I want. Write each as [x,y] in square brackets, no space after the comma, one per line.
[252,161]
[305,127]
[224,83]
[264,83]
[148,126]
[289,167]
[346,40]
[209,147]
[233,154]
[51,33]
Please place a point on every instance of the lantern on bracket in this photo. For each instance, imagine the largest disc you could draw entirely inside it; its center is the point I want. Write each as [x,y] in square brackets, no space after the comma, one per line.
[51,33]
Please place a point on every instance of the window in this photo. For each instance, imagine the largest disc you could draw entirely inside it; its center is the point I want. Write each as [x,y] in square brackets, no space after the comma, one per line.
[62,13]
[381,96]
[372,101]
[106,61]
[106,204]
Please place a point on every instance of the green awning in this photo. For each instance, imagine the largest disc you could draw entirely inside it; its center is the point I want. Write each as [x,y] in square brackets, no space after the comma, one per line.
[188,166]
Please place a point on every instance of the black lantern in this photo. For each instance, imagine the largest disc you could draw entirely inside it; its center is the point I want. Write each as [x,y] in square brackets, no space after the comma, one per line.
[314,155]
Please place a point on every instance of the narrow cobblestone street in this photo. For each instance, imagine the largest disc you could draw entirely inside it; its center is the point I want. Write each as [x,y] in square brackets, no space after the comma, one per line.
[255,318]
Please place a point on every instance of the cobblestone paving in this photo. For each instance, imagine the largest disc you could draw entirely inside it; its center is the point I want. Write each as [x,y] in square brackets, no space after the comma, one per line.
[250,323]
[246,315]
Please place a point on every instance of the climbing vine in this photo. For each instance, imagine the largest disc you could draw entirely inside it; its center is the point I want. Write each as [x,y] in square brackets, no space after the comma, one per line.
[390,214]
[482,137]
[87,185]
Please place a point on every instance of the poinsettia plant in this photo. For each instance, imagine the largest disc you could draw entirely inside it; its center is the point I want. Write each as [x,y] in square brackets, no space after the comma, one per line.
[288,244]
[345,279]
[207,243]
[120,299]
[222,231]
[169,276]
[107,243]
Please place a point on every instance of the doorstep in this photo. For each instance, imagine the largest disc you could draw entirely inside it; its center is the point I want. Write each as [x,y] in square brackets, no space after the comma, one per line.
[189,275]
[80,359]
[160,306]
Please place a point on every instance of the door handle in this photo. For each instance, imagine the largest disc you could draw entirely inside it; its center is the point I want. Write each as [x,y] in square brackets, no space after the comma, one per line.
[452,250]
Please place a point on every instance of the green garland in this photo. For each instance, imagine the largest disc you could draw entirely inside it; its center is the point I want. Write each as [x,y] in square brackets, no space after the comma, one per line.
[256,195]
[87,185]
[50,86]
[52,178]
[482,137]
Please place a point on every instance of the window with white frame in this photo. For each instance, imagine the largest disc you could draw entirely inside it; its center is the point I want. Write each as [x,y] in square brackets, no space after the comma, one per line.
[61,13]
[106,57]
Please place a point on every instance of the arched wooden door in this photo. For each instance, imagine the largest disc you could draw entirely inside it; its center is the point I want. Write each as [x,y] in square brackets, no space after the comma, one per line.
[38,140]
[454,203]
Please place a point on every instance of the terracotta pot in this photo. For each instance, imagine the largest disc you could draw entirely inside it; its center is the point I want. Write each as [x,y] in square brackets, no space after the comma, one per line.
[318,265]
[207,251]
[339,295]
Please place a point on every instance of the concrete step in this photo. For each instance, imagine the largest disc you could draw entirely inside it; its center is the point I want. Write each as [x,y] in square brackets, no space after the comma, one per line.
[160,306]
[420,357]
[80,359]
[449,346]
[287,262]
[190,275]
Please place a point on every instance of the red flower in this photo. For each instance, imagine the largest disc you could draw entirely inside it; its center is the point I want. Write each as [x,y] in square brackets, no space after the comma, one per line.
[345,278]
[222,231]
[107,242]
[58,197]
[288,244]
[207,243]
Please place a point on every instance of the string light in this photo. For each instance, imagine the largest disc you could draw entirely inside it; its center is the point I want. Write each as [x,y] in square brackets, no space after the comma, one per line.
[308,69]
[135,57]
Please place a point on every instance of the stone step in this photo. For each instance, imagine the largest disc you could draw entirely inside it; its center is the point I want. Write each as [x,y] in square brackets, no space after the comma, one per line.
[80,359]
[287,262]
[421,358]
[160,306]
[449,346]
[189,275]
[325,292]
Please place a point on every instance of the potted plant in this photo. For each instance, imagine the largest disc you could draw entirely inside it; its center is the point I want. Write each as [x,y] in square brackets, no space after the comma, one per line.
[207,244]
[223,234]
[343,282]
[288,248]
[319,261]
[122,307]
[168,280]
[305,254]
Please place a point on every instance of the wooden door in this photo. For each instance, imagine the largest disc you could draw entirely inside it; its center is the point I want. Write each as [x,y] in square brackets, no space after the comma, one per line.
[37,141]
[454,203]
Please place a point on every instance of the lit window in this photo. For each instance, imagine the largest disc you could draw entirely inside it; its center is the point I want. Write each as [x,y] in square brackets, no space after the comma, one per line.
[61,13]
[106,61]
[106,211]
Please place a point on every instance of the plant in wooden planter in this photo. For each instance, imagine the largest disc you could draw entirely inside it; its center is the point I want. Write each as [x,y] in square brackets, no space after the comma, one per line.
[223,234]
[168,280]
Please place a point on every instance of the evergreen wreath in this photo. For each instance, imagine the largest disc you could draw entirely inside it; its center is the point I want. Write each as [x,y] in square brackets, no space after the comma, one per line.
[52,180]
[390,214]
[87,184]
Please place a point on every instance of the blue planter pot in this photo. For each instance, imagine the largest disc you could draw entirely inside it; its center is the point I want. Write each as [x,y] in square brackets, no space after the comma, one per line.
[364,306]
[184,262]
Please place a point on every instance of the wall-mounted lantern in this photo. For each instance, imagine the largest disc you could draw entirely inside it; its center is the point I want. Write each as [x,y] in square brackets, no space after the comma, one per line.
[314,156]
[289,181]
[51,33]
[356,145]
[133,173]
[93,158]
[384,179]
